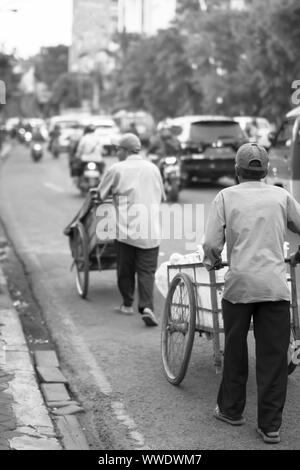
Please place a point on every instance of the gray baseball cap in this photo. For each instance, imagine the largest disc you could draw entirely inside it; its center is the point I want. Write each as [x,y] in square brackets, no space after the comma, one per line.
[252,157]
[130,142]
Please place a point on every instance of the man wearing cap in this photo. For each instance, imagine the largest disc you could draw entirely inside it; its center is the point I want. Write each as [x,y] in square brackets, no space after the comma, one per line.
[253,218]
[137,190]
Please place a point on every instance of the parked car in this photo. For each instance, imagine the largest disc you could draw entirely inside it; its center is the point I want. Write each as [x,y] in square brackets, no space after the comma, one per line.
[284,154]
[209,145]
[257,129]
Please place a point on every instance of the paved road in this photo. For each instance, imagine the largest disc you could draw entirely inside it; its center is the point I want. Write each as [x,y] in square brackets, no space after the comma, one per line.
[112,362]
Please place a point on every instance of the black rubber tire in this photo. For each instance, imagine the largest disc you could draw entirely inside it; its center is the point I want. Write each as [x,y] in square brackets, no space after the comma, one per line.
[82,265]
[186,328]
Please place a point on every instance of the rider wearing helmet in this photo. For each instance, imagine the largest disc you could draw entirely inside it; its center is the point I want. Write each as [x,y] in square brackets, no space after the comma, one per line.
[165,144]
[88,148]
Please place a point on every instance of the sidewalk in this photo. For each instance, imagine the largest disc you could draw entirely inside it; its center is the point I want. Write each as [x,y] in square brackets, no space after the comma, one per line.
[24,420]
[25,408]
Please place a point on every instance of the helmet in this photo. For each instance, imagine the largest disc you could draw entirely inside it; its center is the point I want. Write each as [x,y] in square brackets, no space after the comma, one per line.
[89,129]
[165,133]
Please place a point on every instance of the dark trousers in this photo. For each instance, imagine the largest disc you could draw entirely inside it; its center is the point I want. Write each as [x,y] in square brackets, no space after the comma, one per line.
[271,325]
[132,260]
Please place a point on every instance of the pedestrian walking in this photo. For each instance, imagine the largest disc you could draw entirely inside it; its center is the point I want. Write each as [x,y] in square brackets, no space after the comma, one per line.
[137,190]
[253,217]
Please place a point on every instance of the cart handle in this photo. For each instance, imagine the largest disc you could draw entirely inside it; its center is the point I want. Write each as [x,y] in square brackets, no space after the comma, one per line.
[293,260]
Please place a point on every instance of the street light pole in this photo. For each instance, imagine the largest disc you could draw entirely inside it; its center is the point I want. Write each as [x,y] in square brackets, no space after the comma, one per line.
[142,15]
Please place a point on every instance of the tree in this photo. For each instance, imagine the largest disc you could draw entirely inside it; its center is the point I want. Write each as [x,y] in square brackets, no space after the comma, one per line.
[155,74]
[214,60]
[50,63]
[10,77]
[70,89]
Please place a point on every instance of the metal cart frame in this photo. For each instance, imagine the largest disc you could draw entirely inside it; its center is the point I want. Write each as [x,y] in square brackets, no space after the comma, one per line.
[89,253]
[181,319]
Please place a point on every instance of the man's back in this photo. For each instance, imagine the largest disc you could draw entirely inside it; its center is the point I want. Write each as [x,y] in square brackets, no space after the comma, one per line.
[90,146]
[256,217]
[137,189]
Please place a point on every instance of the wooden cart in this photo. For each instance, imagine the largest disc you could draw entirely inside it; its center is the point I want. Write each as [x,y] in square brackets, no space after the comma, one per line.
[88,251]
[185,314]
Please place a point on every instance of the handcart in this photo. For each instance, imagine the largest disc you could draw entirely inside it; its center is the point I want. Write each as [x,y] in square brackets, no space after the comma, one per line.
[88,251]
[193,304]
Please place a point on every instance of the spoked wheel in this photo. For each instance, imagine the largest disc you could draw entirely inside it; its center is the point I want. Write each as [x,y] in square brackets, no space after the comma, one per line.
[178,328]
[82,261]
[292,364]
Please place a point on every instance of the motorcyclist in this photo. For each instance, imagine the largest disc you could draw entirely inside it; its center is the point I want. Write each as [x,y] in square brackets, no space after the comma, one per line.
[89,148]
[54,134]
[38,135]
[164,144]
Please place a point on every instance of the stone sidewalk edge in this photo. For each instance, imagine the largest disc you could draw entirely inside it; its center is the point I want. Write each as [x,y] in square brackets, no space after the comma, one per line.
[33,428]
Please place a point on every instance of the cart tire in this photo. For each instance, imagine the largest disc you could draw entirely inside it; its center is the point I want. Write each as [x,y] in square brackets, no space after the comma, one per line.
[178,328]
[292,348]
[82,262]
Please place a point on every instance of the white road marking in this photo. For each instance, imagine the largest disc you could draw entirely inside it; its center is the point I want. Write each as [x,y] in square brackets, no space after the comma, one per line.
[54,187]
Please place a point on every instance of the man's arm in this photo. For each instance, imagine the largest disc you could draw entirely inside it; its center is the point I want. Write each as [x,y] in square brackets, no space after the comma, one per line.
[161,184]
[106,185]
[79,150]
[214,238]
[293,215]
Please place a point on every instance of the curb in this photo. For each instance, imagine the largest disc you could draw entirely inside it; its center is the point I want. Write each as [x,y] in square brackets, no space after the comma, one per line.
[25,421]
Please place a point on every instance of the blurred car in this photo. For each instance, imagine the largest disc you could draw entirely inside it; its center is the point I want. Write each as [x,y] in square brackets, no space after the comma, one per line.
[11,125]
[284,153]
[256,128]
[209,145]
[140,122]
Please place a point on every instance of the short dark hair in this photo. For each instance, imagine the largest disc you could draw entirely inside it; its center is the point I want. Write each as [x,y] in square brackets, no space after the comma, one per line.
[252,174]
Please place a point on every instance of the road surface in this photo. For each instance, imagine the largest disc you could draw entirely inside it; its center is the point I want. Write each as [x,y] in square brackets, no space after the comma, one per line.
[112,362]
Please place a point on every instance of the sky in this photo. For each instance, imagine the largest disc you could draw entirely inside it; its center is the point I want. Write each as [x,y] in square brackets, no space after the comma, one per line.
[36,23]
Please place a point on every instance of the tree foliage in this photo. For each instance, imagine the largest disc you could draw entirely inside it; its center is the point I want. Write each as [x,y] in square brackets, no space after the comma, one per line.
[214,60]
[51,63]
[70,89]
[8,75]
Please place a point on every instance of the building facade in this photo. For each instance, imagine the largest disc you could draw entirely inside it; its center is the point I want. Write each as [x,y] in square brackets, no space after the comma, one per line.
[94,23]
[145,16]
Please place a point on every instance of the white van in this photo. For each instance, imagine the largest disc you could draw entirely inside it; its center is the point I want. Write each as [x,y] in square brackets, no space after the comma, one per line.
[256,128]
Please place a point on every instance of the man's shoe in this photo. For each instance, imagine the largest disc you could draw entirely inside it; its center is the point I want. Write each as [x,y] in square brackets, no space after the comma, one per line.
[272,437]
[227,419]
[124,310]
[149,318]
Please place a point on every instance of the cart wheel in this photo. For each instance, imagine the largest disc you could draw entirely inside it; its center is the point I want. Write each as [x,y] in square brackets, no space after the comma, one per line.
[82,261]
[292,348]
[178,328]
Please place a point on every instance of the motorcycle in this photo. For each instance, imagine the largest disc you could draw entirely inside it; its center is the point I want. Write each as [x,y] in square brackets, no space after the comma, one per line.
[27,138]
[36,151]
[88,175]
[170,171]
